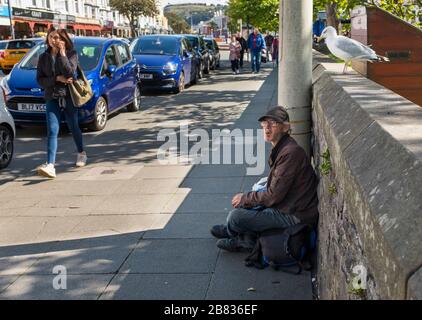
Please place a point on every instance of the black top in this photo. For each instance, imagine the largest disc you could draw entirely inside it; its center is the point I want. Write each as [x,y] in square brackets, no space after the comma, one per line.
[63,65]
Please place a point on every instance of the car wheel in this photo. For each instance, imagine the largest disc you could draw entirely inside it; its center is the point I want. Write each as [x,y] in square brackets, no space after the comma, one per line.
[136,105]
[6,146]
[200,71]
[100,115]
[213,65]
[195,79]
[207,69]
[181,83]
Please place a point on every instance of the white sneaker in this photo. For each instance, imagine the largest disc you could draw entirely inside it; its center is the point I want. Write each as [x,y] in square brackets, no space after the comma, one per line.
[47,170]
[81,159]
[234,72]
[237,71]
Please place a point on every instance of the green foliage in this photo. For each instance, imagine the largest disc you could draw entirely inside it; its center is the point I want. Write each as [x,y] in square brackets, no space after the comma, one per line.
[262,14]
[326,163]
[360,292]
[132,9]
[341,8]
[332,189]
[178,24]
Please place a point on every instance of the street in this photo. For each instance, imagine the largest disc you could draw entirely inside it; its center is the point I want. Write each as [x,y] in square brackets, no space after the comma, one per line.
[126,226]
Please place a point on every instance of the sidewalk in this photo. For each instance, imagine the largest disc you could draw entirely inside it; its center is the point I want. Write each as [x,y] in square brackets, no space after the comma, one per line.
[134,229]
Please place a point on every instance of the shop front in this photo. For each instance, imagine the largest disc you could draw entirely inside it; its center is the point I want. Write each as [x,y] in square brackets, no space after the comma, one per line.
[87,27]
[32,23]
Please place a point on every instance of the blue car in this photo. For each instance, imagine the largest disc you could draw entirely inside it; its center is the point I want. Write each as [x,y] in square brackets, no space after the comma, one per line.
[165,61]
[109,67]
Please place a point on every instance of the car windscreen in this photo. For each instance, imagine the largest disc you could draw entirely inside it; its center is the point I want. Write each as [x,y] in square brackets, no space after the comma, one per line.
[156,45]
[3,45]
[193,41]
[13,45]
[88,56]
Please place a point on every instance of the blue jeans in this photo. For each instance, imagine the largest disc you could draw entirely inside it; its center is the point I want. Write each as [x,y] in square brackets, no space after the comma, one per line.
[255,60]
[54,113]
[245,224]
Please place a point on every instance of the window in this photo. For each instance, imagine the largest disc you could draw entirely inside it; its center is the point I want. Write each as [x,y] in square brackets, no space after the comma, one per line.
[93,12]
[34,3]
[88,55]
[77,6]
[123,53]
[66,5]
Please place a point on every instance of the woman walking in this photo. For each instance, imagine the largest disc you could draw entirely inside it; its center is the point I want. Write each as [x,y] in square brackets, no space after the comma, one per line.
[235,48]
[56,68]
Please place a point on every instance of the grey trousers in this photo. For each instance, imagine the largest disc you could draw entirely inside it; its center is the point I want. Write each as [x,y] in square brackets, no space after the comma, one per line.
[245,224]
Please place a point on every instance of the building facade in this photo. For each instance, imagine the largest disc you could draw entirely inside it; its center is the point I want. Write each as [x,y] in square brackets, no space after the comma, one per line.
[80,17]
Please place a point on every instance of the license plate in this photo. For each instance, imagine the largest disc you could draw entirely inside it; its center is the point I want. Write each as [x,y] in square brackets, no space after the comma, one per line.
[31,107]
[146,76]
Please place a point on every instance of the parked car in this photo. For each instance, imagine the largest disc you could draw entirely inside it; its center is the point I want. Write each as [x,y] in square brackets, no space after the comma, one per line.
[214,52]
[109,67]
[14,51]
[7,134]
[198,44]
[165,62]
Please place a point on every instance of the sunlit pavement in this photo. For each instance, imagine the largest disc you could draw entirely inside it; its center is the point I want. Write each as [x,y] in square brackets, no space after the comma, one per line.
[126,226]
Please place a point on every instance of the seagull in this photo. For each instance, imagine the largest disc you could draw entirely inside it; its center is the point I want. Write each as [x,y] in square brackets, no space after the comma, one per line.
[348,49]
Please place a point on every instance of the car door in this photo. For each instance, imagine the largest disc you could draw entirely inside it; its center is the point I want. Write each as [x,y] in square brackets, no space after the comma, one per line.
[126,72]
[186,58]
[109,83]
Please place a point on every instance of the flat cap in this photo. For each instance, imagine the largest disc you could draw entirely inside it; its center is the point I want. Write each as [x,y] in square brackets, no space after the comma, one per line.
[278,114]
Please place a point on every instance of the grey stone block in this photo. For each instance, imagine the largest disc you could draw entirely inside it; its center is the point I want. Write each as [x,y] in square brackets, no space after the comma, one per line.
[233,280]
[40,287]
[172,256]
[87,256]
[195,203]
[157,287]
[187,226]
[414,290]
[230,185]
[217,170]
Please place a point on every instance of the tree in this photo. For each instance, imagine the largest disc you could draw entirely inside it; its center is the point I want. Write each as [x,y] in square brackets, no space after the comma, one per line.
[261,14]
[132,9]
[177,23]
[406,10]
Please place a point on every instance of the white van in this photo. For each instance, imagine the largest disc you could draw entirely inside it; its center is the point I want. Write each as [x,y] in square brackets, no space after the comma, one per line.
[7,133]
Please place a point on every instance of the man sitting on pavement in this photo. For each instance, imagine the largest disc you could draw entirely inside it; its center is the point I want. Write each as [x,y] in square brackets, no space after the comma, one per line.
[290,197]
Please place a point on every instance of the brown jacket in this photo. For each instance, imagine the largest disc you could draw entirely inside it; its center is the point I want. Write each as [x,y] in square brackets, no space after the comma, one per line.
[291,184]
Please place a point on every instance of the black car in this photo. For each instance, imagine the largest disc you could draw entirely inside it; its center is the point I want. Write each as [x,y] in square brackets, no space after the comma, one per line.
[201,50]
[214,53]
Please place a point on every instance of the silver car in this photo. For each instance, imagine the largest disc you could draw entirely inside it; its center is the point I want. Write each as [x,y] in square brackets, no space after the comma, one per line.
[7,133]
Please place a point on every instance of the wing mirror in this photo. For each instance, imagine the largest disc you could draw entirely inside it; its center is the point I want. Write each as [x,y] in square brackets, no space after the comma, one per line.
[110,70]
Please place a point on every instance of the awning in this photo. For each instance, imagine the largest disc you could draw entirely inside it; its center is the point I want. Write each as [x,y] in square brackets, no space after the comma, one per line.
[92,27]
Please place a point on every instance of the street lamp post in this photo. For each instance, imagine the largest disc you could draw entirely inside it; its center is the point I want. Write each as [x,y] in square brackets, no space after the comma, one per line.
[12,32]
[295,71]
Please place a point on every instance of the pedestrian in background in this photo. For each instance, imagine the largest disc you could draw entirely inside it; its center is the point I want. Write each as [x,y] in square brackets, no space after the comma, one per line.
[274,50]
[56,68]
[235,48]
[255,44]
[244,49]
[268,42]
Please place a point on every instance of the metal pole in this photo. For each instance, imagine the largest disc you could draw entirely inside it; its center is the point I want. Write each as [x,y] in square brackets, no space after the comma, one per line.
[12,32]
[295,72]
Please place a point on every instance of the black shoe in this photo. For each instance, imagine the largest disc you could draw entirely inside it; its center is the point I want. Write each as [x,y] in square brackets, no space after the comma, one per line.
[229,245]
[220,231]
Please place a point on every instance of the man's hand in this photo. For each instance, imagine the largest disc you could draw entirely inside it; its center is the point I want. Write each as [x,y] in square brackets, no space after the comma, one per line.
[236,200]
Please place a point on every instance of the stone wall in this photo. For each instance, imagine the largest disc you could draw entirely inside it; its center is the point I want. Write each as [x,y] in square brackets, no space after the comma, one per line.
[368,153]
